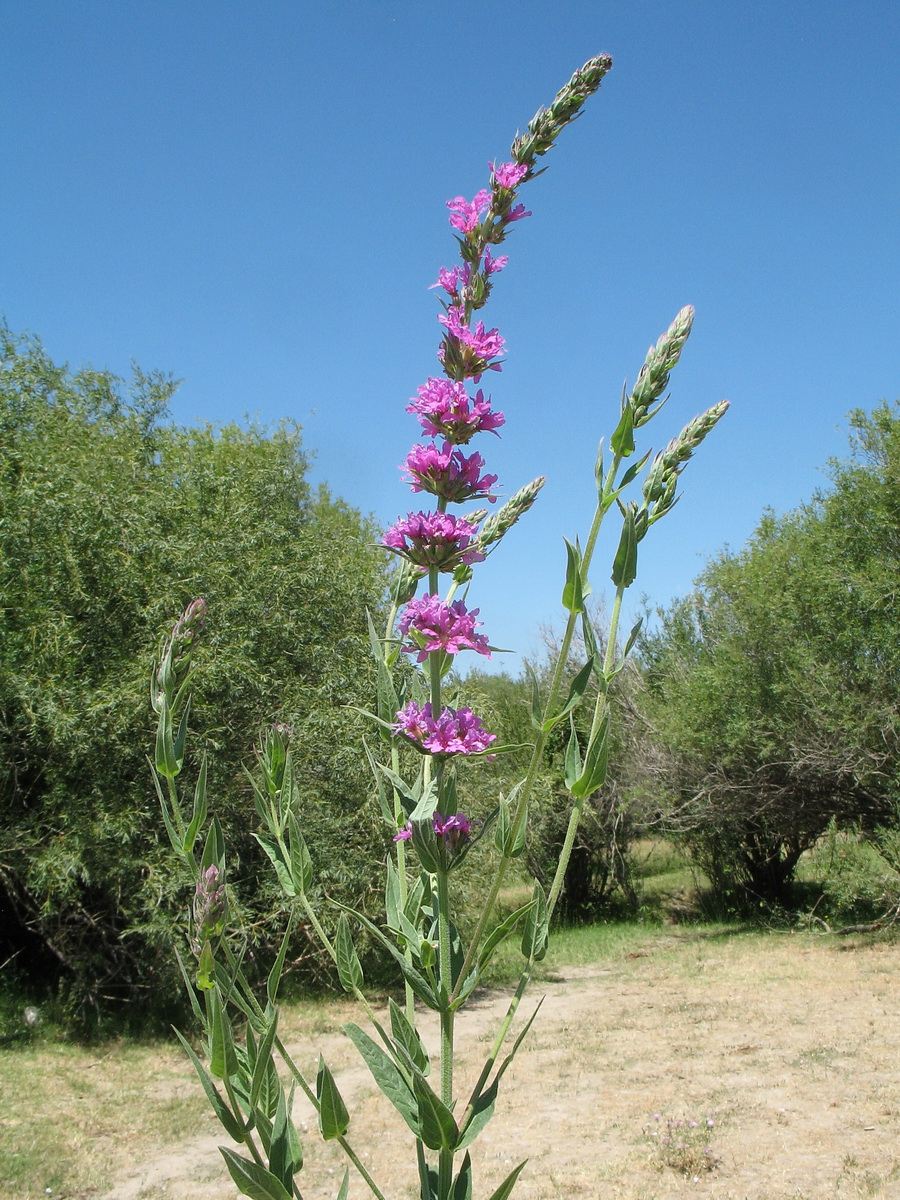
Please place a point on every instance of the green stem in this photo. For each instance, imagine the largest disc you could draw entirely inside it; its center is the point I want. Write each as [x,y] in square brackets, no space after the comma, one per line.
[445,1161]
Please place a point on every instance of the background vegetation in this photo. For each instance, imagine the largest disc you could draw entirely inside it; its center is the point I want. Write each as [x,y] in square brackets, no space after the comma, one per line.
[111,520]
[758,726]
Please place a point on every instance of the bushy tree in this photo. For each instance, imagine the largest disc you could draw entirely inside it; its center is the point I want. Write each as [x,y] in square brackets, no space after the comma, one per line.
[774,687]
[111,520]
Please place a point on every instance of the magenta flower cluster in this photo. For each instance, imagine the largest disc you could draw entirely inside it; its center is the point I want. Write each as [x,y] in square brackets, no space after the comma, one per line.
[437,541]
[448,473]
[455,830]
[455,731]
[434,626]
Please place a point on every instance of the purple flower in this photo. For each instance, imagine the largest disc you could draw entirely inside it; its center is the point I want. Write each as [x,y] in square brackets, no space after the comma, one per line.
[476,346]
[448,473]
[435,625]
[456,731]
[517,213]
[443,409]
[490,264]
[467,213]
[433,539]
[508,175]
[454,830]
[450,280]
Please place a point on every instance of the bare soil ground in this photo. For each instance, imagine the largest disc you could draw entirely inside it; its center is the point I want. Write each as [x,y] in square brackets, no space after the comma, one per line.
[790,1045]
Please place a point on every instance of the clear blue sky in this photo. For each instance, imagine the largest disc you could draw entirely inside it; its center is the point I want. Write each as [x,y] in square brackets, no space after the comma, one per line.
[251,196]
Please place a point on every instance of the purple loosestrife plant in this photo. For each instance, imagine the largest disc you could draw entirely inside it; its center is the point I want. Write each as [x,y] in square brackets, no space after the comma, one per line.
[427,829]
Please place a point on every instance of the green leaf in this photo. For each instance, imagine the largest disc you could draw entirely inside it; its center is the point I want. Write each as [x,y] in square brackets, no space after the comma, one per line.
[301,863]
[277,855]
[536,934]
[285,1150]
[164,760]
[214,849]
[438,1129]
[416,981]
[387,808]
[273,981]
[622,441]
[598,468]
[595,762]
[263,1059]
[624,570]
[333,1116]
[576,588]
[387,1075]
[482,1111]
[576,691]
[181,736]
[407,1039]
[222,1057]
[349,967]
[199,812]
[506,1187]
[253,1180]
[344,1189]
[537,704]
[501,933]
[572,762]
[462,1184]
[232,1124]
[206,968]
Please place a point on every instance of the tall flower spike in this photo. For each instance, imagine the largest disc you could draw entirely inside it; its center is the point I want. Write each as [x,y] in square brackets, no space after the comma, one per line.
[661,358]
[546,124]
[662,478]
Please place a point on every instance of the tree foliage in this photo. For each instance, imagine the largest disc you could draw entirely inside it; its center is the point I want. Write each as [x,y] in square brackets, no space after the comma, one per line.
[774,689]
[111,520]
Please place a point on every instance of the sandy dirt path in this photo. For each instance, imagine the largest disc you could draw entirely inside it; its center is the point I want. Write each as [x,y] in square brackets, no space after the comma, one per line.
[793,1054]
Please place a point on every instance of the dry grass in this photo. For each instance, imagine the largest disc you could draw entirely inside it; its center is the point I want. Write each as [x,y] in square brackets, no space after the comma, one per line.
[792,1041]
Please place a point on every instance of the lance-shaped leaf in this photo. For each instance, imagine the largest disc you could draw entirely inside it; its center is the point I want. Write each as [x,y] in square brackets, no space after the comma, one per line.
[595,762]
[273,982]
[414,978]
[387,700]
[206,968]
[285,1150]
[263,1057]
[333,1116]
[622,441]
[406,1038]
[572,762]
[278,856]
[505,1189]
[624,570]
[536,934]
[344,1189]
[164,759]
[349,968]
[387,809]
[387,1075]
[214,849]
[502,931]
[462,1184]
[537,704]
[253,1180]
[576,587]
[198,815]
[301,863]
[222,1056]
[576,691]
[481,1109]
[231,1123]
[437,1127]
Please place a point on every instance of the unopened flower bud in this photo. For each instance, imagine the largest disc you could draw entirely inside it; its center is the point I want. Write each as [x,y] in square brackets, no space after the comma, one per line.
[210,905]
[661,358]
[498,525]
